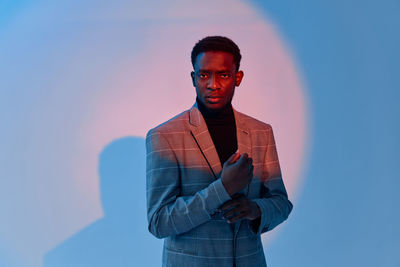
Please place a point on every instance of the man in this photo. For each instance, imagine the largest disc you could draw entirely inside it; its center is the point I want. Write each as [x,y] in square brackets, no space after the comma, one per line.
[213,178]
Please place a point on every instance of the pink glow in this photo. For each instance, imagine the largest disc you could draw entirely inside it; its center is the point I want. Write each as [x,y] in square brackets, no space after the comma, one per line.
[153,84]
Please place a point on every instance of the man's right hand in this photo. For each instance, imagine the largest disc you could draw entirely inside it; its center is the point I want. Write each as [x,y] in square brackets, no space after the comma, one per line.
[237,173]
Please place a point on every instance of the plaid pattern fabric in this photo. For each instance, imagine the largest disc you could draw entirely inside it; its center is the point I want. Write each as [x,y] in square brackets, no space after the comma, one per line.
[184,191]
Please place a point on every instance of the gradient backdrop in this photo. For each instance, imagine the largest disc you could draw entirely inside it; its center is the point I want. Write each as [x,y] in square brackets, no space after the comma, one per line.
[81,82]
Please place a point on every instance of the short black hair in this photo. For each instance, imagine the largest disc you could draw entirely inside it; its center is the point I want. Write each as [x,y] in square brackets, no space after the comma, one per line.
[217,43]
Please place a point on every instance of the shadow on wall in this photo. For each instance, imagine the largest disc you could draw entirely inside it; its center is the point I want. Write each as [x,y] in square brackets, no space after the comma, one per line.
[121,237]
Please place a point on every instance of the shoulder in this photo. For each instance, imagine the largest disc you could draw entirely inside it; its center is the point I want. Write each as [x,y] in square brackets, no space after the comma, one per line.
[175,125]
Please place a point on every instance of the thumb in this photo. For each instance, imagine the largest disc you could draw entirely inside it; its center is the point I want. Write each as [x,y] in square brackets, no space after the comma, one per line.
[233,158]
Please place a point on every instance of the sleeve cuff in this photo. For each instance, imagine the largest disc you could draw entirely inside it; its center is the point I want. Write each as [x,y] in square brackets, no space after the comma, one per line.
[264,215]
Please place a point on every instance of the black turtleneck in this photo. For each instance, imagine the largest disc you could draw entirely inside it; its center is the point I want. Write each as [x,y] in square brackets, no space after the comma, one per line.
[222,127]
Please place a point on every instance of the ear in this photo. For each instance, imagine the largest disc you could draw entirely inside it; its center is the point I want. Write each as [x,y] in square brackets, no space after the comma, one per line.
[193,80]
[238,77]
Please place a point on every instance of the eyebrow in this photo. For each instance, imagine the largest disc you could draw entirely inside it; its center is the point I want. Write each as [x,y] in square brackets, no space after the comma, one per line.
[219,71]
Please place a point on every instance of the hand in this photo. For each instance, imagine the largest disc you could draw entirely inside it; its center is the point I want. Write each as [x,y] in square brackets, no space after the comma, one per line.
[237,173]
[240,207]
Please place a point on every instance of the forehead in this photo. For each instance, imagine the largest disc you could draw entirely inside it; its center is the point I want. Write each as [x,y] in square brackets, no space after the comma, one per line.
[214,60]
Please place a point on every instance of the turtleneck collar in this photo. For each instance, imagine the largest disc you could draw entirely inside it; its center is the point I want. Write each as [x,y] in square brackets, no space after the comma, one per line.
[223,114]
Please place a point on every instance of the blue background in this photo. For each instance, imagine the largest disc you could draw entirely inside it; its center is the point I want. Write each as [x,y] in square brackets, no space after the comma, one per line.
[347,214]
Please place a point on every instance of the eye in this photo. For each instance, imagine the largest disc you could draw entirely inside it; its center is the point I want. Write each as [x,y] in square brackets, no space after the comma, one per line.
[202,75]
[225,75]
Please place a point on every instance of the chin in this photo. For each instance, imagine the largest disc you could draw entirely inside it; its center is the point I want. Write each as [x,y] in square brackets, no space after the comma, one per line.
[215,107]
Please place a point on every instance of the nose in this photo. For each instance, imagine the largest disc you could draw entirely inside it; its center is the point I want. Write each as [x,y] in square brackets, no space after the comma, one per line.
[213,83]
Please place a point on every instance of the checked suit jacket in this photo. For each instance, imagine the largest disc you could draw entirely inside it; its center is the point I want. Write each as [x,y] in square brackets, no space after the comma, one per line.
[184,192]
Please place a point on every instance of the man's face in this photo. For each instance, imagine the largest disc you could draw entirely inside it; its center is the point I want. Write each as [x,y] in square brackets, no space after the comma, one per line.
[215,78]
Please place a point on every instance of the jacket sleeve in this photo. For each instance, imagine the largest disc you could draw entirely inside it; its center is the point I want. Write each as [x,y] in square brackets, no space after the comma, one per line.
[168,212]
[273,202]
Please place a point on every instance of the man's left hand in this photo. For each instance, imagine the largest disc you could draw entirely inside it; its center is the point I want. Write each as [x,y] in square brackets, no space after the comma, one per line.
[240,207]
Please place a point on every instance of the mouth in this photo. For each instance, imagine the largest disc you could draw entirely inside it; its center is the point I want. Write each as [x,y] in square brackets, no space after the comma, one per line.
[214,99]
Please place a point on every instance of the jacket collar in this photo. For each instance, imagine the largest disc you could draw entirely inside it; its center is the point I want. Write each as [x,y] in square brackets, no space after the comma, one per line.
[199,130]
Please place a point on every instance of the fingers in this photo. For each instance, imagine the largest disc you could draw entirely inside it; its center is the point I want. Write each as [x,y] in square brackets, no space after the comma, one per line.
[243,158]
[237,213]
[246,162]
[236,209]
[227,205]
[231,203]
[239,159]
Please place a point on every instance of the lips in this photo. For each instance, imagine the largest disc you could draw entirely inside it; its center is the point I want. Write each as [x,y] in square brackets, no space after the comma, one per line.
[214,99]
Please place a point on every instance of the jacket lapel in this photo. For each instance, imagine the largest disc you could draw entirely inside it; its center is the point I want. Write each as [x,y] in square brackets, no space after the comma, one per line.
[242,133]
[200,133]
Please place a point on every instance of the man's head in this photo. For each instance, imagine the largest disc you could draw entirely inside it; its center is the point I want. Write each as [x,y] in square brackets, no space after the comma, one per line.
[216,62]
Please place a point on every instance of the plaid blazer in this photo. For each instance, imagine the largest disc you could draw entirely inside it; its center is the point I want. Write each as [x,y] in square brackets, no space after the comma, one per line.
[184,192]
